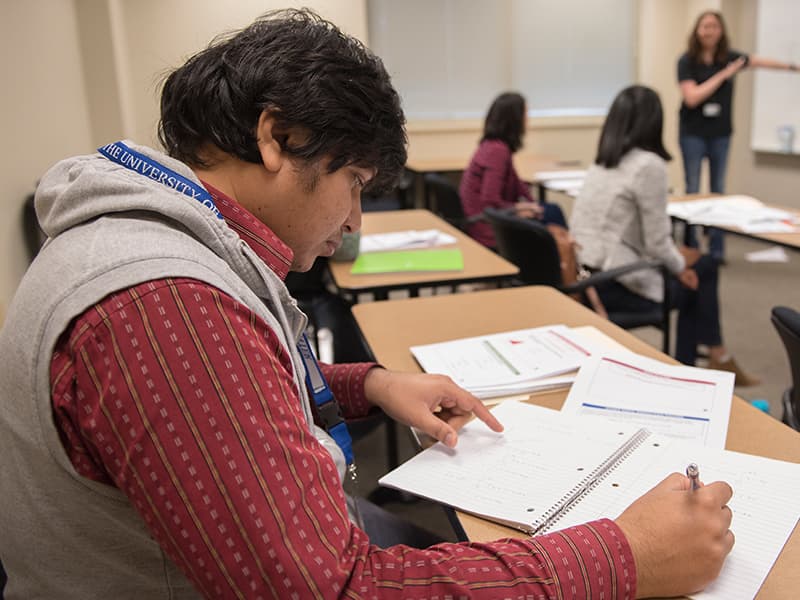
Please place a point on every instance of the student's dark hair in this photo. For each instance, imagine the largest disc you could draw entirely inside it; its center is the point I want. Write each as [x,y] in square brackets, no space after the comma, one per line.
[695,50]
[635,120]
[505,120]
[311,76]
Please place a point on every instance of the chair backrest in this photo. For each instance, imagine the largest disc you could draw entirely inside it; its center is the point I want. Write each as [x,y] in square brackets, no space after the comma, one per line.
[308,283]
[400,198]
[443,199]
[787,322]
[326,310]
[529,245]
[333,313]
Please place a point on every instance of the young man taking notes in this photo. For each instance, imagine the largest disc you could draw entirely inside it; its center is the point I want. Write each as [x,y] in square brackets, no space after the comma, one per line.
[157,434]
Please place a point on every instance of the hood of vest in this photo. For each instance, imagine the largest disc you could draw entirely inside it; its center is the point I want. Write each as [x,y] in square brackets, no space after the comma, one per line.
[80,189]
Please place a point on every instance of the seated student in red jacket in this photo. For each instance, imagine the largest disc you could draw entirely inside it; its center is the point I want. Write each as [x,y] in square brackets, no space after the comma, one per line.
[491,180]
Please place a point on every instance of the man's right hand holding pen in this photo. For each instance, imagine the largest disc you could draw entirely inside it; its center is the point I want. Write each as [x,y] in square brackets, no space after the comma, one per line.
[679,536]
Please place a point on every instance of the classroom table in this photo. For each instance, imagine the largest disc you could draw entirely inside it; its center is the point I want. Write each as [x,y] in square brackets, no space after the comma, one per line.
[787,240]
[390,328]
[525,163]
[480,263]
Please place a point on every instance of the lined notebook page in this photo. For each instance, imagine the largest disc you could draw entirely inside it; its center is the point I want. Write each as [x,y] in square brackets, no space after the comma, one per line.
[764,504]
[516,476]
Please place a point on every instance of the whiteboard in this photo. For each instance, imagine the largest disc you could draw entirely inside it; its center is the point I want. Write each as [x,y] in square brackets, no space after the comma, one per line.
[776,98]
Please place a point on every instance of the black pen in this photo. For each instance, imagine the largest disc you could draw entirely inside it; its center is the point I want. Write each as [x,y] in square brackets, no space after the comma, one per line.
[693,473]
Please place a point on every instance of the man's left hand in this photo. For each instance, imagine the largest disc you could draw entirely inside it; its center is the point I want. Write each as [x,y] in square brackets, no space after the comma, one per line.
[431,403]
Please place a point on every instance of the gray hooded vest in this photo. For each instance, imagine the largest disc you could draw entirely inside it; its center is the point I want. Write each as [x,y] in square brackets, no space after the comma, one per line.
[109,228]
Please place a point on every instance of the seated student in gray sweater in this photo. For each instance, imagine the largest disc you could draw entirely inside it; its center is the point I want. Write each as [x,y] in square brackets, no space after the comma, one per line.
[620,217]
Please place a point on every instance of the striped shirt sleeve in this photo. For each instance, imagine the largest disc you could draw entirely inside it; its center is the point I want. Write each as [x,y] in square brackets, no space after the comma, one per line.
[183,399]
[347,384]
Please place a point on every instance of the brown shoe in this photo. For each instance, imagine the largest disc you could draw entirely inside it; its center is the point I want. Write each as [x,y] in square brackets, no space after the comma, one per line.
[742,378]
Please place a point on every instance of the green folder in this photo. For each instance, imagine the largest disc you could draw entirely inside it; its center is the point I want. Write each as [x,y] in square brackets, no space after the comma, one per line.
[408,261]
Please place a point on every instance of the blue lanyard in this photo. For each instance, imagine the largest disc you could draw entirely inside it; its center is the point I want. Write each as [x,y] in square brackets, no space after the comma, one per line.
[327,406]
[136,161]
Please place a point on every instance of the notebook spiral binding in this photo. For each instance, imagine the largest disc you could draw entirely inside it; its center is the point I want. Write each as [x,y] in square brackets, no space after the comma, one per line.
[588,483]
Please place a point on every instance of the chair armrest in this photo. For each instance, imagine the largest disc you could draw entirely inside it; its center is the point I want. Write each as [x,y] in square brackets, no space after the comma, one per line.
[611,274]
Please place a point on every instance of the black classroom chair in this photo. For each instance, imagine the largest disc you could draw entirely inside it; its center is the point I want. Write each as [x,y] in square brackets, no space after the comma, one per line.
[787,322]
[531,247]
[443,199]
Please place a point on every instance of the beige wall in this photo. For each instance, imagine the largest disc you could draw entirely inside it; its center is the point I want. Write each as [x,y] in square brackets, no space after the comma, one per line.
[156,36]
[771,177]
[662,38]
[562,138]
[80,73]
[44,114]
[661,35]
[84,72]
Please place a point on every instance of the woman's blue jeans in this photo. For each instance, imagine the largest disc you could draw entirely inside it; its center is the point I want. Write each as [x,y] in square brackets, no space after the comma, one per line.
[694,149]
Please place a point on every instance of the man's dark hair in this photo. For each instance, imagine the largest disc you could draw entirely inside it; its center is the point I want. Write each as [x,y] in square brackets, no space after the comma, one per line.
[505,120]
[695,50]
[315,79]
[635,120]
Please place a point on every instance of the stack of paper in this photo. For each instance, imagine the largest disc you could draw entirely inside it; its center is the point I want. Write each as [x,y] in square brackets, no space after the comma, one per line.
[744,212]
[567,182]
[571,187]
[773,254]
[544,176]
[509,363]
[405,240]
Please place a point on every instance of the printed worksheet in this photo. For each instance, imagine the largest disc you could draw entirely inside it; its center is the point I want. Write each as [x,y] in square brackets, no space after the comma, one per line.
[673,400]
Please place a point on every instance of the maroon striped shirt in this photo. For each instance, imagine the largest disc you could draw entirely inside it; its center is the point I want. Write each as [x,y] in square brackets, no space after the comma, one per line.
[182,398]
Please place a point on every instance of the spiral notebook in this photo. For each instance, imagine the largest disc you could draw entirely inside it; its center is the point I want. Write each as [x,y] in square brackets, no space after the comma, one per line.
[549,470]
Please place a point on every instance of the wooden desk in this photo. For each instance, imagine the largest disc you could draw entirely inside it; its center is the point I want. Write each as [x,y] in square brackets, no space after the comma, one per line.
[525,163]
[391,327]
[480,263]
[787,240]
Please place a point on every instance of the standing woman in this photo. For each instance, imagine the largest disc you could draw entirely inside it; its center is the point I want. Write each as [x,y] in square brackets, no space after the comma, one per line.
[491,180]
[620,217]
[705,75]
